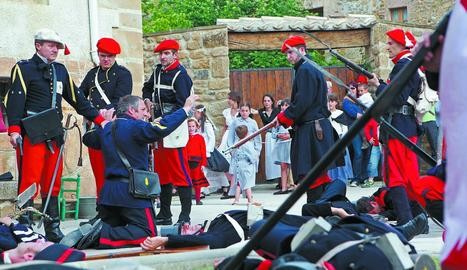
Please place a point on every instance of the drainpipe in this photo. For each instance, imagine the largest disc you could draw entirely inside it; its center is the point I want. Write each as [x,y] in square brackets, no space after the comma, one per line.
[93,29]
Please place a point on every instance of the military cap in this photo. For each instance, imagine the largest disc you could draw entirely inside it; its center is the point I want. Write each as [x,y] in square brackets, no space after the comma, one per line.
[399,36]
[292,41]
[168,44]
[49,35]
[108,45]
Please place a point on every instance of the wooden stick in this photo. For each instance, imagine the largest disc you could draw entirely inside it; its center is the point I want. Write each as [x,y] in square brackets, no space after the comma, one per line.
[141,252]
[251,136]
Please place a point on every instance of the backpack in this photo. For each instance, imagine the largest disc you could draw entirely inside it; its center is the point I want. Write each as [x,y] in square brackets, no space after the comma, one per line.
[427,98]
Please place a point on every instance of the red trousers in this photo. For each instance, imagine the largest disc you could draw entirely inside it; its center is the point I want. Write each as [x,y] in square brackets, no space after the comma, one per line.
[400,164]
[38,165]
[172,166]
[98,168]
[457,259]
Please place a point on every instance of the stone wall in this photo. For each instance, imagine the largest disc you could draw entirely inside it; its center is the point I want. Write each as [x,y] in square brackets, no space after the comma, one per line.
[420,12]
[205,54]
[120,19]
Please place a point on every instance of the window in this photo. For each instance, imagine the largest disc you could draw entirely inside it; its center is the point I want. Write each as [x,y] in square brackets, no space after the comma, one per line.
[398,14]
[317,11]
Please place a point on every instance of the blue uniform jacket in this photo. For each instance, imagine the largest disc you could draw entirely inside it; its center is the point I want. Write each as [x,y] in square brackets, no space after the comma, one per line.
[406,124]
[37,95]
[133,137]
[116,82]
[309,100]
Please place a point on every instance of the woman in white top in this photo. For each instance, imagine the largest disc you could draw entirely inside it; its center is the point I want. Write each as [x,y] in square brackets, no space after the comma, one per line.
[233,99]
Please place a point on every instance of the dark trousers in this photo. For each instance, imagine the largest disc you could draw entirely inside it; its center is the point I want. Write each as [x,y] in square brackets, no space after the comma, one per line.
[125,227]
[357,158]
[430,130]
[184,194]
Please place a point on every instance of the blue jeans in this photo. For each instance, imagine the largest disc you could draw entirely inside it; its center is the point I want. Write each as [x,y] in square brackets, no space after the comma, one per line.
[375,156]
[357,158]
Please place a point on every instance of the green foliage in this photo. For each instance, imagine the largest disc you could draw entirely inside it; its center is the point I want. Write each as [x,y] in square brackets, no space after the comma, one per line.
[273,59]
[166,15]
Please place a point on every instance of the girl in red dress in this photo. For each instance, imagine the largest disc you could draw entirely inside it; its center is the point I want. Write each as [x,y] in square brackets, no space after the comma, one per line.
[196,148]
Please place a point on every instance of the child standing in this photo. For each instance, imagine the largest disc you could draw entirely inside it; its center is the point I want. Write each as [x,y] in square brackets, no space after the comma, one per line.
[252,126]
[196,150]
[243,166]
[371,134]
[281,152]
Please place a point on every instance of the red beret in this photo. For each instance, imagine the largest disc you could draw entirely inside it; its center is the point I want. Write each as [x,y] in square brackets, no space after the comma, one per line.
[292,41]
[60,254]
[362,79]
[168,44]
[399,36]
[411,38]
[108,45]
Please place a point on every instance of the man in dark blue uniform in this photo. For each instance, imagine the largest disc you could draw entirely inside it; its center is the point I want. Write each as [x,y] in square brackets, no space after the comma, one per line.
[37,85]
[400,163]
[127,220]
[168,88]
[308,114]
[104,85]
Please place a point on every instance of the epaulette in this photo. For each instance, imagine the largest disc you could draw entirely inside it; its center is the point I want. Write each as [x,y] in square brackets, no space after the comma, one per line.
[23,62]
[124,68]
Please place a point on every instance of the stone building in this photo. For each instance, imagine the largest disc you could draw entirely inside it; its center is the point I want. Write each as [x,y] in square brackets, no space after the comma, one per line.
[80,24]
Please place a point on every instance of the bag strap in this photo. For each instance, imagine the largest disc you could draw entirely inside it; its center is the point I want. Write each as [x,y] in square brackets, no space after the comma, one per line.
[120,153]
[236,226]
[99,88]
[54,86]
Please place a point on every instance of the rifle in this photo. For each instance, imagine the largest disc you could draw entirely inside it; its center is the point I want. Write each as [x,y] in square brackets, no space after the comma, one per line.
[137,251]
[381,105]
[250,137]
[351,65]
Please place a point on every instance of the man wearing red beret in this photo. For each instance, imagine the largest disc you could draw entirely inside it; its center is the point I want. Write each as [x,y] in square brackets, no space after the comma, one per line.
[400,164]
[308,114]
[104,85]
[168,88]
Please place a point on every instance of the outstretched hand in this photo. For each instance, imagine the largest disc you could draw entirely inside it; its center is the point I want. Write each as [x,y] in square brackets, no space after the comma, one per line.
[190,102]
[152,243]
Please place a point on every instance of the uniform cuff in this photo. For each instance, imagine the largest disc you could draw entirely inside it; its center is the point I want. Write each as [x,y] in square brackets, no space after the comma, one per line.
[284,120]
[98,120]
[13,129]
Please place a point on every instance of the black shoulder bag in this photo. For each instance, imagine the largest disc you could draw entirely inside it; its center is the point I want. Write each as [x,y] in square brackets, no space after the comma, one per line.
[142,184]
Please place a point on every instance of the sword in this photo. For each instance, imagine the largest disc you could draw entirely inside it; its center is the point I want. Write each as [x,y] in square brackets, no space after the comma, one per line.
[250,137]
[392,130]
[24,196]
[57,165]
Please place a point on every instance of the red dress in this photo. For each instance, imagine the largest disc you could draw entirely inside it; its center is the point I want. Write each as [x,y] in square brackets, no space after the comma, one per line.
[196,149]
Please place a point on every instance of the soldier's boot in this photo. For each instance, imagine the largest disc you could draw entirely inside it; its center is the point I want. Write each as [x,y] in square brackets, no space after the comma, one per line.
[26,217]
[414,227]
[401,205]
[52,227]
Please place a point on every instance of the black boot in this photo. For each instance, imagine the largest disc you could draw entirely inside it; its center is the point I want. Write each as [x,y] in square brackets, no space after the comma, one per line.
[414,227]
[92,220]
[26,218]
[52,227]
[401,205]
[184,194]
[165,215]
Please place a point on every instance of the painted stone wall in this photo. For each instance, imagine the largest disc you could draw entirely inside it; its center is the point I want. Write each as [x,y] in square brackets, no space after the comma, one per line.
[120,19]
[204,53]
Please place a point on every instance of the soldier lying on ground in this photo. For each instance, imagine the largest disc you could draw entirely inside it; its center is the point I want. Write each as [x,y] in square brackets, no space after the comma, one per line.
[19,243]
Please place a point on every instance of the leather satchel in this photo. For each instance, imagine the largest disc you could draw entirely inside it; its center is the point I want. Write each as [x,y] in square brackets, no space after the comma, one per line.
[141,184]
[43,126]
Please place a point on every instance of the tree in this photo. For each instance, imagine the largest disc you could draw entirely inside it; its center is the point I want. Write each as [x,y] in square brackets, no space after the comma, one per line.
[167,15]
